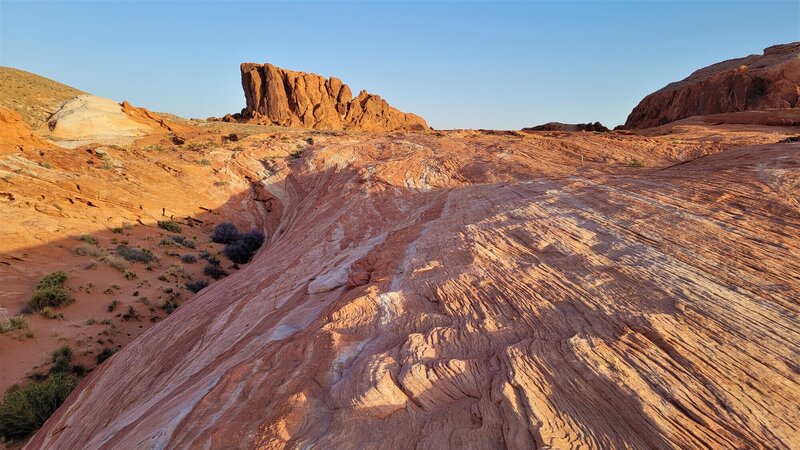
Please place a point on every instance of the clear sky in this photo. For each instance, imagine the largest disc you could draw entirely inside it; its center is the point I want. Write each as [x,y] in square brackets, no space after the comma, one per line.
[458,64]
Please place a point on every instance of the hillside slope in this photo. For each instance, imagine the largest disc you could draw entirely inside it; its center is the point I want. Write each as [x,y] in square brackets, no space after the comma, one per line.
[33,96]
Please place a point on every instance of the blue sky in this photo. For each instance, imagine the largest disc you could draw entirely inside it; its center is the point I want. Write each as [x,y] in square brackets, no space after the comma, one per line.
[458,64]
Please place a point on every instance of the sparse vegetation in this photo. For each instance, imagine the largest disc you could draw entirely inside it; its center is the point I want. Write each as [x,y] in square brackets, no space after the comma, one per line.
[117,230]
[51,292]
[169,225]
[188,259]
[112,306]
[204,162]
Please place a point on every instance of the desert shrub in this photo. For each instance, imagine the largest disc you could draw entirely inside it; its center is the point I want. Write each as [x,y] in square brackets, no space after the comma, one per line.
[196,286]
[112,306]
[130,314]
[135,254]
[169,305]
[117,230]
[243,248]
[89,239]
[214,271]
[13,324]
[89,250]
[224,233]
[167,242]
[25,409]
[49,313]
[188,259]
[636,163]
[188,243]
[116,262]
[51,292]
[204,162]
[169,225]
[105,354]
[61,358]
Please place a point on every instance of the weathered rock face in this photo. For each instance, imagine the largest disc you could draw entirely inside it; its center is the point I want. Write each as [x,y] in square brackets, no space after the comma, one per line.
[15,134]
[475,290]
[287,98]
[756,82]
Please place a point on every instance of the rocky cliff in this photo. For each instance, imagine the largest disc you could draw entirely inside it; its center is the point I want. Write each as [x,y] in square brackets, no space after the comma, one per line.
[288,98]
[755,82]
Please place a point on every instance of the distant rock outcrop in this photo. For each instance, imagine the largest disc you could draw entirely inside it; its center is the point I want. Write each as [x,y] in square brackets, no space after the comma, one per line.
[558,126]
[287,98]
[755,82]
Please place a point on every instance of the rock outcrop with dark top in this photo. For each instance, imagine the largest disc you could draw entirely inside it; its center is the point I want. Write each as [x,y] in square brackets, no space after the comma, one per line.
[756,82]
[287,98]
[558,126]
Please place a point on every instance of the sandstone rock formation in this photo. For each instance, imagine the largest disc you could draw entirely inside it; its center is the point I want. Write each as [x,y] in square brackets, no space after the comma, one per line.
[477,290]
[15,134]
[755,82]
[88,118]
[287,98]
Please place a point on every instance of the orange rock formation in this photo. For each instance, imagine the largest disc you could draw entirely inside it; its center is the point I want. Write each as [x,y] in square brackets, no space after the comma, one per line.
[287,98]
[771,80]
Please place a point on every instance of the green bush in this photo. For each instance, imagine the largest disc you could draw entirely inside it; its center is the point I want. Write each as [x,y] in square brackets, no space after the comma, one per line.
[61,358]
[214,271]
[169,225]
[104,355]
[25,409]
[51,292]
[196,286]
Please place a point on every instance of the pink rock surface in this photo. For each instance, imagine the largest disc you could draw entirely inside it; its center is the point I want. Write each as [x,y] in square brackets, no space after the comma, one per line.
[523,291]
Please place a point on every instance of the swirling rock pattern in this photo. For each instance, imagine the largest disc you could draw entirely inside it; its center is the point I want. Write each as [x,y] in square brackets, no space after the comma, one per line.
[512,291]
